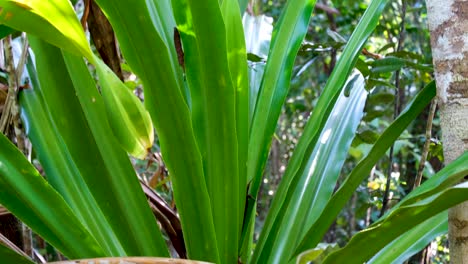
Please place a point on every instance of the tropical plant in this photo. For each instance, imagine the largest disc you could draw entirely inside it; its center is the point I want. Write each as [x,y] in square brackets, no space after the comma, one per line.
[214,131]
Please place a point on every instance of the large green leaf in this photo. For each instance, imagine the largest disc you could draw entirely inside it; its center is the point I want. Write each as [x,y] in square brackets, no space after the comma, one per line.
[53,20]
[286,40]
[412,241]
[26,194]
[303,193]
[237,58]
[370,241]
[63,158]
[214,110]
[258,35]
[160,12]
[170,113]
[124,203]
[96,153]
[341,197]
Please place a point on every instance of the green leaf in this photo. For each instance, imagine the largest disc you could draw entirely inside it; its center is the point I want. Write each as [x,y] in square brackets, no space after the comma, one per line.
[310,178]
[412,241]
[368,136]
[5,31]
[79,112]
[160,13]
[30,198]
[129,120]
[286,41]
[210,75]
[362,169]
[135,133]
[9,256]
[137,226]
[419,66]
[318,254]
[445,178]
[387,64]
[381,98]
[370,241]
[254,58]
[362,66]
[237,59]
[55,21]
[59,151]
[169,110]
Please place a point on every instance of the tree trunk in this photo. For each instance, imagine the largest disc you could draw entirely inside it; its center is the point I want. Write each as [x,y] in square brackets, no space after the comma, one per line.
[449,39]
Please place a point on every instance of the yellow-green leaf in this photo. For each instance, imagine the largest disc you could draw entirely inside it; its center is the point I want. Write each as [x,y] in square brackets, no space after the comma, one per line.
[128,118]
[54,21]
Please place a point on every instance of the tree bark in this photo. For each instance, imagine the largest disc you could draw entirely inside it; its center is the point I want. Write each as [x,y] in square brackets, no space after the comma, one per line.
[449,40]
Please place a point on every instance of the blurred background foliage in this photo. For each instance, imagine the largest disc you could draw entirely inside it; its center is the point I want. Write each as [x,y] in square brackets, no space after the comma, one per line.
[397,63]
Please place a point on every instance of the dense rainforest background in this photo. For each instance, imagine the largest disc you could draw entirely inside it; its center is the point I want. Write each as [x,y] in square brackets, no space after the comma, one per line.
[402,32]
[332,171]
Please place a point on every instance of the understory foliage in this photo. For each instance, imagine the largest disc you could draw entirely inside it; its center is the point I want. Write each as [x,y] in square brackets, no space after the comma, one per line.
[264,132]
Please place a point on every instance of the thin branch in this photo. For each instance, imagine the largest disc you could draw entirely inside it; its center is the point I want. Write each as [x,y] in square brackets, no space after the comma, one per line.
[327,9]
[10,114]
[397,108]
[23,57]
[425,150]
[12,85]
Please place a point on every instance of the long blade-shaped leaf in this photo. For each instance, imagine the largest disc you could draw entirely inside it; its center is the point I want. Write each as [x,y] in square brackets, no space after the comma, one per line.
[216,130]
[287,38]
[341,197]
[67,112]
[54,20]
[54,143]
[412,241]
[160,12]
[171,117]
[304,192]
[123,203]
[370,241]
[237,58]
[30,198]
[258,32]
